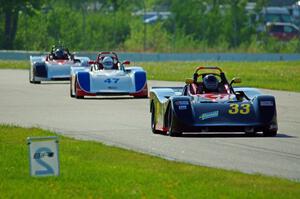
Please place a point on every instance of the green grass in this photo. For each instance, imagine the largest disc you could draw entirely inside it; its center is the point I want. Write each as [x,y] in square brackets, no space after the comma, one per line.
[9,64]
[93,170]
[270,75]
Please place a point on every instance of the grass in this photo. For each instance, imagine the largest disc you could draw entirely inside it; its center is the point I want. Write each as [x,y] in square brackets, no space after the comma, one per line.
[9,64]
[270,75]
[93,170]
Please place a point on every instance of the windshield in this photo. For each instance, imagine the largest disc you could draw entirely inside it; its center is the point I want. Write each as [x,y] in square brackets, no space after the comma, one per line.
[278,18]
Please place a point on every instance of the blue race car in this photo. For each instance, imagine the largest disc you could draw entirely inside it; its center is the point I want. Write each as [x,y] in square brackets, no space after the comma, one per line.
[209,103]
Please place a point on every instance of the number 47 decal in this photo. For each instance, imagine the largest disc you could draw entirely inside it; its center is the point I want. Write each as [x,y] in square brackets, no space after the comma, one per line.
[111,80]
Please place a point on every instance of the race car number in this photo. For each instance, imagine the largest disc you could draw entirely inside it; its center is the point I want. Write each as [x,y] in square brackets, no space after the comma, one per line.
[111,80]
[239,109]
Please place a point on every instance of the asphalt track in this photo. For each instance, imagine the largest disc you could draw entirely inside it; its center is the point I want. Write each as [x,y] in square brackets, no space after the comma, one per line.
[125,122]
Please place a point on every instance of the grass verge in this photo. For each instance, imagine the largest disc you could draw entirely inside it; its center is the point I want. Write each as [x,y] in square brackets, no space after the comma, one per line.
[270,75]
[93,170]
[12,64]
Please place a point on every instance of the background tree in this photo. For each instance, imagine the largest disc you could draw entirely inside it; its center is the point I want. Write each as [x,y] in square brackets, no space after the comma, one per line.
[192,26]
[11,9]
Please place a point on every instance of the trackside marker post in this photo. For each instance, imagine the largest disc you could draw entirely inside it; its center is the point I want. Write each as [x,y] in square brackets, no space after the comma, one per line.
[43,156]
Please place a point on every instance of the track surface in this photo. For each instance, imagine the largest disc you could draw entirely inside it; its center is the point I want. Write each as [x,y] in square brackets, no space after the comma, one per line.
[125,122]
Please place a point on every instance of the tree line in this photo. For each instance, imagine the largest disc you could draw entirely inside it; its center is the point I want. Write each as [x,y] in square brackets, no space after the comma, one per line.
[93,25]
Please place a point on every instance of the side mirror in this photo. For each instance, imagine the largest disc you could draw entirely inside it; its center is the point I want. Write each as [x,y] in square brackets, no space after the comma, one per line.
[91,62]
[77,61]
[235,80]
[126,62]
[189,81]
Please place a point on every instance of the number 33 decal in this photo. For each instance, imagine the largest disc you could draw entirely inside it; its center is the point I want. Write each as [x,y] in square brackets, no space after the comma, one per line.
[242,109]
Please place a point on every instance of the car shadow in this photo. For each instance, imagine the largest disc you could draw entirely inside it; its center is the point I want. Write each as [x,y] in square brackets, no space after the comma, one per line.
[229,135]
[54,83]
[112,98]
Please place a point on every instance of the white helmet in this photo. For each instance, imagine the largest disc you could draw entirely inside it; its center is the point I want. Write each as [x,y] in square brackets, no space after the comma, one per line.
[107,63]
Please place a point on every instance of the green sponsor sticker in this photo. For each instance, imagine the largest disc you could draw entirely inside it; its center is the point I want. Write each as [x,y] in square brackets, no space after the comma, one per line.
[209,115]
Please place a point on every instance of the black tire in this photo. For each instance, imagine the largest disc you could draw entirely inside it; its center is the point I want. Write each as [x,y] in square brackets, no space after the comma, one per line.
[77,97]
[252,134]
[141,97]
[153,124]
[31,77]
[269,133]
[71,95]
[171,131]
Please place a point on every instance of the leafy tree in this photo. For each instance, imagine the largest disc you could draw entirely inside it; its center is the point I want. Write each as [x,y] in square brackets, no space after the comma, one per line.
[236,26]
[11,10]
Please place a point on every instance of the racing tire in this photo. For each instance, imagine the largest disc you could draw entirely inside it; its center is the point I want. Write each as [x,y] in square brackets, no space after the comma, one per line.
[71,91]
[252,134]
[31,77]
[269,133]
[77,96]
[153,124]
[140,97]
[171,131]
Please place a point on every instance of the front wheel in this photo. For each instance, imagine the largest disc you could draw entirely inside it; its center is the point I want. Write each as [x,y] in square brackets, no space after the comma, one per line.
[71,90]
[172,132]
[31,77]
[76,94]
[269,133]
[141,97]
[153,121]
[251,134]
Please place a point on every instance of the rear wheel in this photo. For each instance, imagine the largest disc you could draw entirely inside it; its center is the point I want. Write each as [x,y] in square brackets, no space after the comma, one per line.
[172,132]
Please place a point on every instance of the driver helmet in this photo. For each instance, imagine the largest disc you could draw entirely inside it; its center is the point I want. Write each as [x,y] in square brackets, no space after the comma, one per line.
[107,63]
[211,83]
[59,54]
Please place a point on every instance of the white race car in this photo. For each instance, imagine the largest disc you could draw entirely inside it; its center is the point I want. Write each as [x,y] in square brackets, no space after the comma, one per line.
[55,66]
[112,80]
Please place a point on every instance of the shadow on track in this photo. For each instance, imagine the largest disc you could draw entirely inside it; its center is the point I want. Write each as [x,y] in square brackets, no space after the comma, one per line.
[228,135]
[112,98]
[54,83]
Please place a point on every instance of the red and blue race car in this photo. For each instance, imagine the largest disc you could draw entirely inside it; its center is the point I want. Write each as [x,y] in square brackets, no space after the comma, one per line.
[56,66]
[107,75]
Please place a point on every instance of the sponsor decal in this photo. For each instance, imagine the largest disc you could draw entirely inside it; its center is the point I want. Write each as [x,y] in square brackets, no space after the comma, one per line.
[209,115]
[182,107]
[178,103]
[266,103]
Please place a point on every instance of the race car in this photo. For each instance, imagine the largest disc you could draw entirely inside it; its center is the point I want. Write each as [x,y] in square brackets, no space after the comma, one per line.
[209,103]
[55,66]
[108,76]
